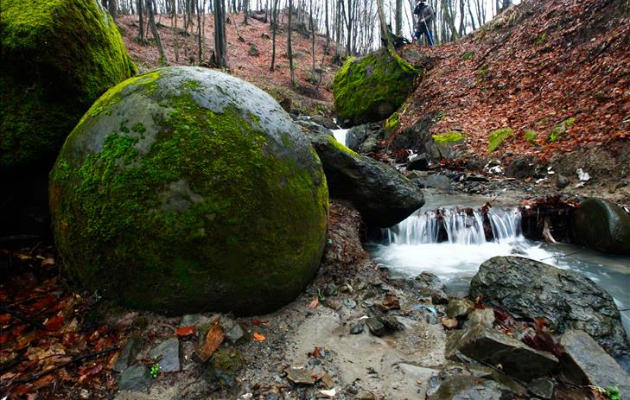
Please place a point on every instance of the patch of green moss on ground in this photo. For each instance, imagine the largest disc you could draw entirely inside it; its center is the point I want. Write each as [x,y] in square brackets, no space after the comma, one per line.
[467,55]
[449,137]
[498,137]
[363,85]
[531,136]
[561,129]
[392,123]
[211,246]
[58,58]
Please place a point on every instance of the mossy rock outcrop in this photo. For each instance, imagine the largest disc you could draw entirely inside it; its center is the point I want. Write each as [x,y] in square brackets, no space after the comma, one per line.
[371,88]
[58,57]
[602,226]
[185,190]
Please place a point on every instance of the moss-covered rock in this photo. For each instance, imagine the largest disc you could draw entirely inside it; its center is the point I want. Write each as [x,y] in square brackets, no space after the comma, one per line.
[58,57]
[186,190]
[371,88]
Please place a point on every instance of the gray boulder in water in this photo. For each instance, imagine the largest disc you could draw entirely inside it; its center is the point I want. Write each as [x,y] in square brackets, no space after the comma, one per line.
[568,300]
[603,226]
[382,195]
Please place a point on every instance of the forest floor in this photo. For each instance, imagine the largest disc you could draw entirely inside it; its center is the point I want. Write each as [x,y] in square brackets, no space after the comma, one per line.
[61,343]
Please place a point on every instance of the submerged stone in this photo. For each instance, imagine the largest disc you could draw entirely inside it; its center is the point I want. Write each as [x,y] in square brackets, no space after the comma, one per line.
[185,190]
[603,226]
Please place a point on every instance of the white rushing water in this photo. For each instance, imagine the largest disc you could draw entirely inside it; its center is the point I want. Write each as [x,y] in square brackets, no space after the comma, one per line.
[340,135]
[415,245]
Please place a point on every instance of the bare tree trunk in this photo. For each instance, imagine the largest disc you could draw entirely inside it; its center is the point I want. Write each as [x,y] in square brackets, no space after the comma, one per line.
[289,48]
[399,12]
[174,31]
[140,22]
[155,33]
[327,28]
[245,11]
[200,32]
[274,22]
[220,40]
[312,36]
[462,20]
[112,7]
[472,16]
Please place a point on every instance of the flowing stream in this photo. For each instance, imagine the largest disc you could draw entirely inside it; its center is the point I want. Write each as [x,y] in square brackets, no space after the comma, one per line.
[455,252]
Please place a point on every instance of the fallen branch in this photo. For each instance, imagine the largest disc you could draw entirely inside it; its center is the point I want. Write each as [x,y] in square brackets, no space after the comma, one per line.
[21,317]
[65,364]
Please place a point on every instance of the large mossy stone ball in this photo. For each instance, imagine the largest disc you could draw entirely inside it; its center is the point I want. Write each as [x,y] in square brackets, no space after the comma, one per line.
[58,57]
[603,226]
[185,190]
[371,88]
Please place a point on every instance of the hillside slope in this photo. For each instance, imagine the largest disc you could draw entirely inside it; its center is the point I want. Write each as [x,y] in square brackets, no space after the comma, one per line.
[312,91]
[536,65]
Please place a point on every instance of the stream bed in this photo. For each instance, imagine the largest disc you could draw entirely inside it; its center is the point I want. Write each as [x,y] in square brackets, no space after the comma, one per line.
[408,249]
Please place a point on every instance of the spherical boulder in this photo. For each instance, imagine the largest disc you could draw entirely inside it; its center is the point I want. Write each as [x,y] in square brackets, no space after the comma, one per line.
[371,88]
[185,190]
[58,57]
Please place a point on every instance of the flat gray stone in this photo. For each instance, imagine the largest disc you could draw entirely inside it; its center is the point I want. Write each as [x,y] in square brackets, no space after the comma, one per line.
[301,376]
[167,354]
[128,354]
[375,326]
[586,363]
[494,347]
[134,378]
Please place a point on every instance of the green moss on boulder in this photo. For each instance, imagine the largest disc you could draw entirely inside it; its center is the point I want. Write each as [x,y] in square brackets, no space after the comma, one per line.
[58,57]
[371,88]
[187,190]
[497,138]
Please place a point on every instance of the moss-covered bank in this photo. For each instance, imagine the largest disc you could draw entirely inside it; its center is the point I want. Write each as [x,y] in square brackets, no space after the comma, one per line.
[371,88]
[58,57]
[186,190]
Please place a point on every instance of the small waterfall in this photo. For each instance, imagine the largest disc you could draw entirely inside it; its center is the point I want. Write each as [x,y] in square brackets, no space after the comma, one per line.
[456,226]
[340,135]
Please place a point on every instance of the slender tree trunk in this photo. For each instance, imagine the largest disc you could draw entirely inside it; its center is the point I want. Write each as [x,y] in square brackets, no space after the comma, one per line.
[399,12]
[175,34]
[112,7]
[200,32]
[312,36]
[274,22]
[245,11]
[472,16]
[155,33]
[220,40]
[289,47]
[327,27]
[140,21]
